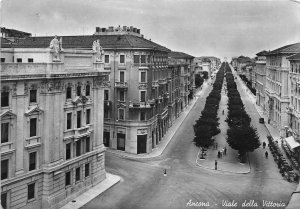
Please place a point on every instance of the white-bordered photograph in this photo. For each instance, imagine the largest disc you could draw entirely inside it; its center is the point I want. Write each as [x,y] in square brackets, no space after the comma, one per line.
[150,104]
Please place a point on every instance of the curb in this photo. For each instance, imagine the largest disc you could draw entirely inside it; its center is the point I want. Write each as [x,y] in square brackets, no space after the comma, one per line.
[220,170]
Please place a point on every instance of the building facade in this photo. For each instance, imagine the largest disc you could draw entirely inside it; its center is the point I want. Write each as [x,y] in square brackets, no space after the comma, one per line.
[260,78]
[278,85]
[51,123]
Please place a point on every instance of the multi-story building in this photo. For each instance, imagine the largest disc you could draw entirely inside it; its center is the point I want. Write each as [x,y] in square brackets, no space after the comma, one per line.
[51,123]
[12,34]
[277,85]
[294,107]
[187,83]
[260,78]
[136,103]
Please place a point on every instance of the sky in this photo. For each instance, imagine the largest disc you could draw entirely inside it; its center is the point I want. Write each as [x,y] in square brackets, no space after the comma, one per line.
[220,28]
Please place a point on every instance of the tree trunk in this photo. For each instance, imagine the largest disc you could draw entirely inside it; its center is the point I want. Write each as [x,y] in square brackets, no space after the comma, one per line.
[243,156]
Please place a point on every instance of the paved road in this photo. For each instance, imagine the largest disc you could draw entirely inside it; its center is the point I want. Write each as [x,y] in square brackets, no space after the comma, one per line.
[144,185]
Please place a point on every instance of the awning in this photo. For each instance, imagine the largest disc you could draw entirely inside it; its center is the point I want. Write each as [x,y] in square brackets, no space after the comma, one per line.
[291,142]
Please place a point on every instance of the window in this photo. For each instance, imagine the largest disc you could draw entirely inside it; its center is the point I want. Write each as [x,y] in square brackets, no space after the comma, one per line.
[4,200]
[68,178]
[142,115]
[106,94]
[33,131]
[78,148]
[87,90]
[4,132]
[4,99]
[78,119]
[77,176]
[143,76]
[4,169]
[122,76]
[143,58]
[136,59]
[122,96]
[19,59]
[88,116]
[121,114]
[2,59]
[78,91]
[32,161]
[122,58]
[68,151]
[30,59]
[106,58]
[87,144]
[143,96]
[32,95]
[69,120]
[31,188]
[87,170]
[69,92]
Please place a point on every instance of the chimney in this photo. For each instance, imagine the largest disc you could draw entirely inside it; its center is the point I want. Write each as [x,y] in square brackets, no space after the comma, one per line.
[131,28]
[124,28]
[110,29]
[98,29]
[134,30]
[138,31]
[103,29]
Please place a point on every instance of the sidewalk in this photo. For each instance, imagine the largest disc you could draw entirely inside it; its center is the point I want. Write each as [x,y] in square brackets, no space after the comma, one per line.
[169,134]
[93,192]
[229,162]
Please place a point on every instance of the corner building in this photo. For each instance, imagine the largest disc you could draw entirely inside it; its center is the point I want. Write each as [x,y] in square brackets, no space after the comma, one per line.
[51,124]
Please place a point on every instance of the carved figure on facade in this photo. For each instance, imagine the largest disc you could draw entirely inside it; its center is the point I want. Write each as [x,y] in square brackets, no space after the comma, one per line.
[98,50]
[142,87]
[56,46]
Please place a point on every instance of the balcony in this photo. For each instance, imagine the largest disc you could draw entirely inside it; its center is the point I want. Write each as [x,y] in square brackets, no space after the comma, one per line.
[139,105]
[7,148]
[162,81]
[81,132]
[32,142]
[122,85]
[155,84]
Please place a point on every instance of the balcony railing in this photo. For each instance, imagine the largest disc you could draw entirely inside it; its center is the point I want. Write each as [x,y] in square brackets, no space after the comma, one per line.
[139,105]
[33,142]
[121,85]
[162,81]
[7,147]
[155,84]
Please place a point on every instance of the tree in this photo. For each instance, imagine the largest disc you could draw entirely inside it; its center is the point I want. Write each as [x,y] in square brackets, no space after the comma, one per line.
[203,137]
[244,139]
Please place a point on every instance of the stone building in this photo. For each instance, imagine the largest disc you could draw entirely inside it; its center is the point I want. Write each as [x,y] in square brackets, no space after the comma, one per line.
[51,123]
[187,71]
[277,89]
[293,127]
[260,78]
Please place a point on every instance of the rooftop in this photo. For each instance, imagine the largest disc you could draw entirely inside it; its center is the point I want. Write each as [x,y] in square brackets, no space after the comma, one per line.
[14,33]
[294,57]
[180,55]
[125,41]
[262,53]
[288,49]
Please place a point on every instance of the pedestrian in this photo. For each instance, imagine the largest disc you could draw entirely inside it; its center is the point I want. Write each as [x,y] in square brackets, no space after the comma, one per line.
[216,145]
[264,145]
[219,154]
[225,150]
[216,165]
[266,154]
[223,112]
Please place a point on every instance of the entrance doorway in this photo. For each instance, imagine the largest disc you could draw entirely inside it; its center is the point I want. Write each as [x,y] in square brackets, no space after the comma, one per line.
[141,144]
[121,141]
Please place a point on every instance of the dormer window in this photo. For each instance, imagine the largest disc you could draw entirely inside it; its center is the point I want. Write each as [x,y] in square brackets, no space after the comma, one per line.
[19,60]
